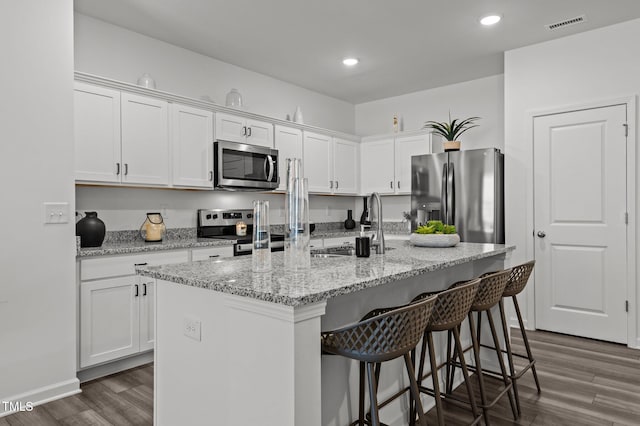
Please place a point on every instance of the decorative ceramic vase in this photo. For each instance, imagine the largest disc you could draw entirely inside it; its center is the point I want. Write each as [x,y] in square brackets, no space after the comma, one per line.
[147,81]
[234,99]
[91,230]
[349,223]
[364,219]
[451,146]
[297,116]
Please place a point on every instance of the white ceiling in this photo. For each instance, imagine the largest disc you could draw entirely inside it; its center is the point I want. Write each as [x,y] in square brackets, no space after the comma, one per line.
[403,45]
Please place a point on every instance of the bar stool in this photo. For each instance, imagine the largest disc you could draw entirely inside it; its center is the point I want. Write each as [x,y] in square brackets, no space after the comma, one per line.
[490,291]
[384,335]
[517,282]
[450,310]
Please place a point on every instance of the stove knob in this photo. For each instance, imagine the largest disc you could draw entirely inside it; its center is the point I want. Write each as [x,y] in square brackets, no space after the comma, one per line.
[215,216]
[208,217]
[249,215]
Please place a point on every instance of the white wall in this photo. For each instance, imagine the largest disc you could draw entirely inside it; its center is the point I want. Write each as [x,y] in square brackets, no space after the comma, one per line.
[37,274]
[125,208]
[595,66]
[482,98]
[114,52]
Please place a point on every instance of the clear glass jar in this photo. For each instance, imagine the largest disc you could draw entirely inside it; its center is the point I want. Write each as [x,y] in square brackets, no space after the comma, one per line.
[234,99]
[153,228]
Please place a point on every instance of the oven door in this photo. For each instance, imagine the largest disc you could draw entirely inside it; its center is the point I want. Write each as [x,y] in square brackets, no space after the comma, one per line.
[244,166]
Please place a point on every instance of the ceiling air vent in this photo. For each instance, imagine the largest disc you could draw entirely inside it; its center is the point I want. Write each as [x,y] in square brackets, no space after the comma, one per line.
[567,22]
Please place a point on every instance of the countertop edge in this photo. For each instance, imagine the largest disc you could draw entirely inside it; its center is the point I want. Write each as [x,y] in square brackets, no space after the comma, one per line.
[321,296]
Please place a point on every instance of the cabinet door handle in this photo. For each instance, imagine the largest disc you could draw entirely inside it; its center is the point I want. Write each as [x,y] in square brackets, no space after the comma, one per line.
[330,184]
[336,184]
[213,256]
[248,131]
[398,184]
[244,130]
[117,169]
[391,184]
[144,292]
[126,169]
[137,290]
[211,176]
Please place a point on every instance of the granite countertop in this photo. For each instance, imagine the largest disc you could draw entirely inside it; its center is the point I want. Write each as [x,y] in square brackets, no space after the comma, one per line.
[139,246]
[327,278]
[117,247]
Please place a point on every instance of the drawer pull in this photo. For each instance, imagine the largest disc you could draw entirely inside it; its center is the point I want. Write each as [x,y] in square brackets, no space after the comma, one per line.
[137,289]
[214,256]
[140,264]
[144,291]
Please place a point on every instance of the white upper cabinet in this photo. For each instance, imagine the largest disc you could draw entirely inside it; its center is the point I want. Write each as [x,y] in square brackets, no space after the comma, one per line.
[145,140]
[377,160]
[192,143]
[97,133]
[288,142]
[318,162]
[346,171]
[405,147]
[386,163]
[239,129]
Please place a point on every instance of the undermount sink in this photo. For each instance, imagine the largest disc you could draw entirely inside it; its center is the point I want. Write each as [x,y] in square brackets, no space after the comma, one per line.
[333,252]
[337,251]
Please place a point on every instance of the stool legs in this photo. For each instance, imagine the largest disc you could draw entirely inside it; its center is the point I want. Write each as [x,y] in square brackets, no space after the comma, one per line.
[526,342]
[375,418]
[505,377]
[476,354]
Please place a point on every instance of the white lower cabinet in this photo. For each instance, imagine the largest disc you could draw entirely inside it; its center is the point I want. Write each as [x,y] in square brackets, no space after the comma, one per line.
[117,307]
[109,320]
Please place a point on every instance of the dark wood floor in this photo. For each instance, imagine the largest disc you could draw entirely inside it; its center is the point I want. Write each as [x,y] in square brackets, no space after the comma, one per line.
[584,382]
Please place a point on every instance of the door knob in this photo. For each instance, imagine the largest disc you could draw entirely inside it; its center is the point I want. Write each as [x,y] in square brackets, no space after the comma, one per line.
[541,234]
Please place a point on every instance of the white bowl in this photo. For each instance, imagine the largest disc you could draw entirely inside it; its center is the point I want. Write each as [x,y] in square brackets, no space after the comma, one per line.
[434,240]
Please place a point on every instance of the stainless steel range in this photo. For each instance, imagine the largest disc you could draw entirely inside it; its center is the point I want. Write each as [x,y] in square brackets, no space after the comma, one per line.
[221,224]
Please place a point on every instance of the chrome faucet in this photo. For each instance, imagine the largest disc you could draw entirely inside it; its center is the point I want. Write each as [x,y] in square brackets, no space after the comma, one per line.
[378,237]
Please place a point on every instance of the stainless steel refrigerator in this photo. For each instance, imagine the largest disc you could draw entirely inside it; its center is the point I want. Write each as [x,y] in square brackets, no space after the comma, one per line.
[463,188]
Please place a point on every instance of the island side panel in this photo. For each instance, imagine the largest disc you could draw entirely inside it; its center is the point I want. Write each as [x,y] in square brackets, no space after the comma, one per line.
[257,362]
[340,375]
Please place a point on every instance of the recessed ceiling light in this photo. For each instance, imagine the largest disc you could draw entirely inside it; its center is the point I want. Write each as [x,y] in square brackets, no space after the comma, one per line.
[350,61]
[490,20]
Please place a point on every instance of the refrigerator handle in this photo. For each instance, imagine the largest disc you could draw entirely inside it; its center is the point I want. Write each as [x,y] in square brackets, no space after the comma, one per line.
[451,193]
[443,193]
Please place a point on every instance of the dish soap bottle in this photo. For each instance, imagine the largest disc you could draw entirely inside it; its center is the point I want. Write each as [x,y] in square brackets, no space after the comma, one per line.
[349,223]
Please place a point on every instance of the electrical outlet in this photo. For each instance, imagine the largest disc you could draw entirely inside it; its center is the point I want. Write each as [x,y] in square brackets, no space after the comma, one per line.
[56,212]
[191,328]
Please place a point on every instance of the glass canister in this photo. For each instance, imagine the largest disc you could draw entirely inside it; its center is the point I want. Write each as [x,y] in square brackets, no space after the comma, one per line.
[153,228]
[297,251]
[261,256]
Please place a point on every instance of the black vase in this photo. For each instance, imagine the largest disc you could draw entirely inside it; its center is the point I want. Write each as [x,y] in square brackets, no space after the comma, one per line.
[349,223]
[91,230]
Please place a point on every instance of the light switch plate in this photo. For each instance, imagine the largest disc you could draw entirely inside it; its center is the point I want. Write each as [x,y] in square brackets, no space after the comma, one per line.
[56,212]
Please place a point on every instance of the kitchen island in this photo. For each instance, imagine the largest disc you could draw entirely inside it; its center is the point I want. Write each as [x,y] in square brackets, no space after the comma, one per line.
[237,348]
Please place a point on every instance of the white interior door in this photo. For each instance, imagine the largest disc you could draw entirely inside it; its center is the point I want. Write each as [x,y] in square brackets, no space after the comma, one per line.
[580,205]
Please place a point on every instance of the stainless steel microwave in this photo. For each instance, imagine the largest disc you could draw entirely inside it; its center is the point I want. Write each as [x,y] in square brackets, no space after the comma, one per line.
[240,166]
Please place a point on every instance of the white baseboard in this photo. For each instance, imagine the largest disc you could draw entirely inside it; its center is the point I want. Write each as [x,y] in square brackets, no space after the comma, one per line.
[44,394]
[113,367]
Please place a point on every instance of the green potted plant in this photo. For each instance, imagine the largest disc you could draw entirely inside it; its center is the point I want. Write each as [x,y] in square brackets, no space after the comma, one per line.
[451,130]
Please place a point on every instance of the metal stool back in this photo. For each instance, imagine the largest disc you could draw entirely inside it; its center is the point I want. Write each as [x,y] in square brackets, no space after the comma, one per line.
[383,337]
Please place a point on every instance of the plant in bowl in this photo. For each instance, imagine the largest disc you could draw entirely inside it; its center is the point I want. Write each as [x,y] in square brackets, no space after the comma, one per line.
[435,234]
[451,130]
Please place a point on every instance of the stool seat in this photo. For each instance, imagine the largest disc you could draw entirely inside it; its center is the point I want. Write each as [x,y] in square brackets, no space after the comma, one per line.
[383,335]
